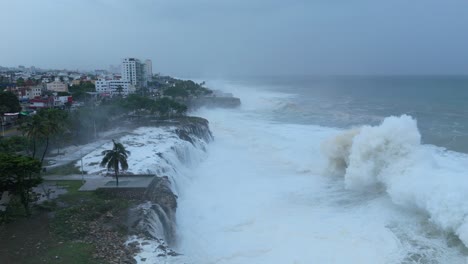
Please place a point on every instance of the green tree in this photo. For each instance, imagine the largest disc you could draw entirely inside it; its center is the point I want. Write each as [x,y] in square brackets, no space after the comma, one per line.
[79,92]
[13,144]
[68,105]
[54,121]
[63,94]
[20,81]
[167,107]
[18,176]
[119,90]
[46,124]
[115,159]
[33,129]
[9,103]
[176,91]
[180,109]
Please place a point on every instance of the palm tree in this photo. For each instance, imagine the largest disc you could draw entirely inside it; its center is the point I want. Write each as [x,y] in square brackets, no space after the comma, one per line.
[42,126]
[54,124]
[114,157]
[33,130]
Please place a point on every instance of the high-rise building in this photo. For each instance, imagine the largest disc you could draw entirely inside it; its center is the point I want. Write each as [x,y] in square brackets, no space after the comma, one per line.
[135,72]
[131,71]
[148,69]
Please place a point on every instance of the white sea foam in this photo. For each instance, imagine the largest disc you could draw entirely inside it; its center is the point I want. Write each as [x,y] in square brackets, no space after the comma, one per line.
[154,150]
[257,199]
[261,195]
[425,178]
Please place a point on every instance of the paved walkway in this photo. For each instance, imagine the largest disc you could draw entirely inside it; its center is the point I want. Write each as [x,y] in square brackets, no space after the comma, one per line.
[74,153]
[94,182]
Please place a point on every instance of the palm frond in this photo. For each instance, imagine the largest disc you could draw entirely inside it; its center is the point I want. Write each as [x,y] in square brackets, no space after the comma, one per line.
[115,157]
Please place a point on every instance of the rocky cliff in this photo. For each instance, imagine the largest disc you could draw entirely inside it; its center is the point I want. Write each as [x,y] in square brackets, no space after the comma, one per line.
[185,139]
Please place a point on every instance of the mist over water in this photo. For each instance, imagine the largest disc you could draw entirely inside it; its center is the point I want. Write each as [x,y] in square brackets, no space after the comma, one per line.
[277,188]
[437,102]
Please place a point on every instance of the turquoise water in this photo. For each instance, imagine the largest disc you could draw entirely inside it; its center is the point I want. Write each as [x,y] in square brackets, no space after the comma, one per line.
[439,103]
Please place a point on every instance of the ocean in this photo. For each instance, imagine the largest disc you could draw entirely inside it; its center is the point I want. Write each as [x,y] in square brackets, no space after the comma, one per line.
[439,103]
[331,170]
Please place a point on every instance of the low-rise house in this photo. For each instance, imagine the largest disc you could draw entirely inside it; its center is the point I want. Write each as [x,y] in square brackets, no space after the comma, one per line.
[38,103]
[62,100]
[25,93]
[34,92]
[114,87]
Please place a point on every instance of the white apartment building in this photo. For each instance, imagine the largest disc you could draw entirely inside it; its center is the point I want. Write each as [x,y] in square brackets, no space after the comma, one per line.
[34,91]
[112,87]
[135,72]
[132,71]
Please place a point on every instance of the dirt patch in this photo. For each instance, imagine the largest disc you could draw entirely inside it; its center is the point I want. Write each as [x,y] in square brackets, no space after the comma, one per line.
[25,239]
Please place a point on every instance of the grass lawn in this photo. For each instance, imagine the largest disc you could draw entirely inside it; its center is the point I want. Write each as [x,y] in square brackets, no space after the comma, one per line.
[67,253]
[67,169]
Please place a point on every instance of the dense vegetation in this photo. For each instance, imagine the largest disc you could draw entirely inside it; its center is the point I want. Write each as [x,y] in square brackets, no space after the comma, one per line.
[9,103]
[43,126]
[80,91]
[184,89]
[18,176]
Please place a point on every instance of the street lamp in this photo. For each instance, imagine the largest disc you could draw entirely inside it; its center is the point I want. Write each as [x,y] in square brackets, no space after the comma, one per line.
[3,126]
[81,158]
[82,173]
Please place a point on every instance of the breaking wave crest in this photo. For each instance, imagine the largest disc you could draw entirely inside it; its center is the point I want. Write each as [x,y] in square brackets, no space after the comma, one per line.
[390,157]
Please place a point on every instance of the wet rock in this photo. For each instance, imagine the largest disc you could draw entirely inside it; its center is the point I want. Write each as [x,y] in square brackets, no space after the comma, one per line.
[173,253]
[133,244]
[162,247]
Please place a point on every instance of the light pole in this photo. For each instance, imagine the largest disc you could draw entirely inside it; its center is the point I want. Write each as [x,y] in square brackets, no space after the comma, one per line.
[81,158]
[82,173]
[3,127]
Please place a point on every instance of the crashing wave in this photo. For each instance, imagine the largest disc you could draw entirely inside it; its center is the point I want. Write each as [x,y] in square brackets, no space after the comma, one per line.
[415,176]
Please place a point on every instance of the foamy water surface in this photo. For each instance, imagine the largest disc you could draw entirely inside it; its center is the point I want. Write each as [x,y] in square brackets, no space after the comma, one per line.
[273,192]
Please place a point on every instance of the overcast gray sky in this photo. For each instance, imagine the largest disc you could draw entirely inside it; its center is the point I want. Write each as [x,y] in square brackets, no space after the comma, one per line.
[239,37]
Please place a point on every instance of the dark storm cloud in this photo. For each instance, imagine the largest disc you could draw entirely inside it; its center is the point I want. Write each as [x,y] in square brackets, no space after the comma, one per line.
[216,38]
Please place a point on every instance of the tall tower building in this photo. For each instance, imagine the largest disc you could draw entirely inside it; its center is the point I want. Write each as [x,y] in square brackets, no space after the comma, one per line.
[148,70]
[132,71]
[136,72]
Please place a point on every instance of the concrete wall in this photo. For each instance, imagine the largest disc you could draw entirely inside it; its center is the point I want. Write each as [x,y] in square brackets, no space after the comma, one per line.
[122,192]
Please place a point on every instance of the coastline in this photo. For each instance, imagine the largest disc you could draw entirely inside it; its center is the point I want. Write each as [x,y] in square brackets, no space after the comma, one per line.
[168,139]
